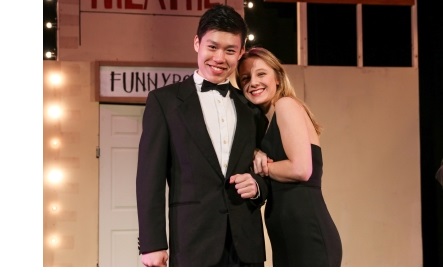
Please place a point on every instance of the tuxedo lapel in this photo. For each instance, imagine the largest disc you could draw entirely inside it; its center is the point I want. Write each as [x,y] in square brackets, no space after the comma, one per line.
[192,117]
[242,131]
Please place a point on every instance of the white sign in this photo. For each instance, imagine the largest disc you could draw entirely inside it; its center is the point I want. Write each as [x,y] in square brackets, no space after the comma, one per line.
[138,81]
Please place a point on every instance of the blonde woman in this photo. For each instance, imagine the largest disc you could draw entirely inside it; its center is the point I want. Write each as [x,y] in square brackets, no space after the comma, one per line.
[300,227]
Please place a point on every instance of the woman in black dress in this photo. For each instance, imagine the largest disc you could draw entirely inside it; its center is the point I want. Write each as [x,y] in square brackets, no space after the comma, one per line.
[299,225]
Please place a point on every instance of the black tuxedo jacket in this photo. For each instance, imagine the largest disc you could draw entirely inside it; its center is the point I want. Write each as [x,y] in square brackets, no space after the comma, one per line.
[175,147]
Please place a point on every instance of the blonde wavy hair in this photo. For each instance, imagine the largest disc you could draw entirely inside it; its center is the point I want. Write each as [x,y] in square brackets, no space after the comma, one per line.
[285,89]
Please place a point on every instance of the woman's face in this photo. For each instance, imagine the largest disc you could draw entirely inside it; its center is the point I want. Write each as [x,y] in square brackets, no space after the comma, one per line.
[258,81]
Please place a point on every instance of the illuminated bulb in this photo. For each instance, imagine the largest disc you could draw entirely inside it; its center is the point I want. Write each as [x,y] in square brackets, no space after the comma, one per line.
[250,5]
[49,25]
[54,112]
[54,208]
[54,241]
[48,54]
[55,79]
[55,176]
[251,37]
[55,143]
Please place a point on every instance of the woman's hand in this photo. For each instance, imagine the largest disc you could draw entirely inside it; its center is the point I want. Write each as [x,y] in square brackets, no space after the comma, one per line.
[260,163]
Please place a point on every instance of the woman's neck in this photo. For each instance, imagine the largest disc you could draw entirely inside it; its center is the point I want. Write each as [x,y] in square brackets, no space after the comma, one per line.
[268,110]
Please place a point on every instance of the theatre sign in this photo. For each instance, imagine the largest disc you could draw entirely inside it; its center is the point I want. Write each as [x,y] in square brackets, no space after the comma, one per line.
[151,7]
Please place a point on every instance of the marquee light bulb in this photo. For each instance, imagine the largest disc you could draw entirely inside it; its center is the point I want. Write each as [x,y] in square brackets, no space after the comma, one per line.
[54,241]
[54,112]
[55,208]
[55,79]
[55,143]
[55,176]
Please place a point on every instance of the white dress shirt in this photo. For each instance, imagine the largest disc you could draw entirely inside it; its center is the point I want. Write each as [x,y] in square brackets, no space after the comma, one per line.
[220,118]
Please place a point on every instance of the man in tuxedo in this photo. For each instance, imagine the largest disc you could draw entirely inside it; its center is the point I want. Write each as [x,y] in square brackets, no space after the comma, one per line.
[201,141]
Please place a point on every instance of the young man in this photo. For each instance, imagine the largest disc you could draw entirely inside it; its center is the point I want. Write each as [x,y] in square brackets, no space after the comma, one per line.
[202,142]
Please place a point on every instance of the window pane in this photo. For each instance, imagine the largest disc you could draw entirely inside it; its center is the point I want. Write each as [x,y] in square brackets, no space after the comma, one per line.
[387,36]
[332,35]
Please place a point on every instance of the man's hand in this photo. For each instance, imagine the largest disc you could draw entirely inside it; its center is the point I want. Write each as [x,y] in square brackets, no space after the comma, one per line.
[245,184]
[156,258]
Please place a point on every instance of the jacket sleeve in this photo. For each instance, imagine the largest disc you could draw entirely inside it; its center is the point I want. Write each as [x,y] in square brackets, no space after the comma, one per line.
[151,178]
[263,188]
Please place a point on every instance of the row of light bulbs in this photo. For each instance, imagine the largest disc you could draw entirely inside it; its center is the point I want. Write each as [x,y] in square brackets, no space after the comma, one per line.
[51,26]
[54,176]
[249,5]
[50,54]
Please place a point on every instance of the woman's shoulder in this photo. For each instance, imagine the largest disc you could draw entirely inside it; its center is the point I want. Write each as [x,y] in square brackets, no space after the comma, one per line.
[286,104]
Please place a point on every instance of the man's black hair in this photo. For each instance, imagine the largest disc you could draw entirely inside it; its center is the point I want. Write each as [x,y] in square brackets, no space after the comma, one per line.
[222,18]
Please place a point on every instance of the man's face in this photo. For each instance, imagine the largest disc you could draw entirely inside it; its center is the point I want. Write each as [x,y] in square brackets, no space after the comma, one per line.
[218,53]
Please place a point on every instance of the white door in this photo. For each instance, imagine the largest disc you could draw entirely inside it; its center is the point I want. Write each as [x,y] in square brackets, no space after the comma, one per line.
[120,130]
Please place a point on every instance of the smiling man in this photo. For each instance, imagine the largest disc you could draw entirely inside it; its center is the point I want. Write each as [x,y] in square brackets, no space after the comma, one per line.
[199,136]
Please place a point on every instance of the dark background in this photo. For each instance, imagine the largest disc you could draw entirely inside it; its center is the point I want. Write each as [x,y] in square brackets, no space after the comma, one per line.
[430,50]
[386,43]
[49,35]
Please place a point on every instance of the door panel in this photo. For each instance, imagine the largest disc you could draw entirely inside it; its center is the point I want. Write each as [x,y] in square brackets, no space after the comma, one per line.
[120,130]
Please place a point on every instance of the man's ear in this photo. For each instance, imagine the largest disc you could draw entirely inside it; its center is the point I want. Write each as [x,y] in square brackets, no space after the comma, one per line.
[196,43]
[242,51]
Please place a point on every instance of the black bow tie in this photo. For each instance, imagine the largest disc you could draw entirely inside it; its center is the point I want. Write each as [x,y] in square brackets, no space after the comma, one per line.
[223,88]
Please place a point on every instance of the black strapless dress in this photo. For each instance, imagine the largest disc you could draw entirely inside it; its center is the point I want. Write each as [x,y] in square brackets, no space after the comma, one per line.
[300,228]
